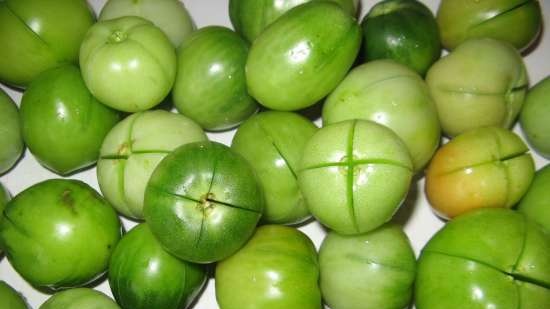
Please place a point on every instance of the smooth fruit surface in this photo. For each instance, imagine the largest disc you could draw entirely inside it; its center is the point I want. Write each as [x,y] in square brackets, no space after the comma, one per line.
[534,117]
[11,299]
[535,204]
[82,298]
[10,133]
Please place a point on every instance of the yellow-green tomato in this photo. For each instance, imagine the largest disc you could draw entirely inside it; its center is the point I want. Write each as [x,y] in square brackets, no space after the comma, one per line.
[535,204]
[393,95]
[535,115]
[277,268]
[132,150]
[483,82]
[354,175]
[11,299]
[128,63]
[11,140]
[37,35]
[82,298]
[375,270]
[273,143]
[170,16]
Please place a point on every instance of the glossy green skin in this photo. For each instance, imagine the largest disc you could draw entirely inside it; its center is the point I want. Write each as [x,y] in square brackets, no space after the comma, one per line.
[132,150]
[402,30]
[11,299]
[10,133]
[375,270]
[128,63]
[515,21]
[273,143]
[365,93]
[535,204]
[488,258]
[82,298]
[62,123]
[170,16]
[354,175]
[143,276]
[534,117]
[297,61]
[481,83]
[37,35]
[203,202]
[251,17]
[277,268]
[213,58]
[59,233]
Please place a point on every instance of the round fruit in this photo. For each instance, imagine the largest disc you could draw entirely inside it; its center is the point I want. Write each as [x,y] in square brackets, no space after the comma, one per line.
[82,298]
[534,117]
[10,133]
[535,204]
[11,299]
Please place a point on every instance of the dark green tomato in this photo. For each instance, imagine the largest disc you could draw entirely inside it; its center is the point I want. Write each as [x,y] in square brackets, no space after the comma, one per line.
[11,145]
[10,299]
[82,298]
[210,85]
[37,35]
[534,117]
[4,199]
[59,233]
[535,204]
[144,276]
[63,124]
[302,56]
[273,143]
[276,269]
[203,202]
[402,30]
[251,17]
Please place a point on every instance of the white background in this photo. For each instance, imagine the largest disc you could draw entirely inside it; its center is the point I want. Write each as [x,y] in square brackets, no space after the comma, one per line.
[415,215]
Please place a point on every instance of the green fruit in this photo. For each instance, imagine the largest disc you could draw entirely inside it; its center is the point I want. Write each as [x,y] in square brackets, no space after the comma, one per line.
[276,269]
[59,233]
[4,199]
[10,133]
[11,299]
[402,30]
[143,276]
[535,204]
[203,202]
[82,298]
[213,58]
[273,143]
[534,117]
[302,56]
[62,123]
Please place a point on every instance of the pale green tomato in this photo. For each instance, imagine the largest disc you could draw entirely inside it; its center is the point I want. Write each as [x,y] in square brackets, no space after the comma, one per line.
[535,204]
[11,299]
[535,116]
[11,146]
[82,298]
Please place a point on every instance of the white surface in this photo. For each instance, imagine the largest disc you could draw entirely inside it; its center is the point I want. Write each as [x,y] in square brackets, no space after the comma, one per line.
[418,220]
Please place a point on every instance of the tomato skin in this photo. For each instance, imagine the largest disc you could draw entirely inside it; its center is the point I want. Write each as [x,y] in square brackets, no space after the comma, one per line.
[11,299]
[534,117]
[81,298]
[10,133]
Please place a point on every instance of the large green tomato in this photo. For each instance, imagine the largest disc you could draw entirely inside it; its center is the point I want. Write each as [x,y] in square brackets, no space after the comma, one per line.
[276,269]
[62,123]
[535,204]
[128,63]
[375,270]
[488,258]
[37,35]
[481,83]
[273,143]
[11,299]
[11,146]
[368,90]
[251,17]
[82,298]
[535,115]
[133,149]
[203,202]
[169,15]
[59,233]
[213,58]
[514,21]
[302,56]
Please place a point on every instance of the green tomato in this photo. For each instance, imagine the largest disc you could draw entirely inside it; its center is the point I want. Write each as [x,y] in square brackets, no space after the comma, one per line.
[82,298]
[132,150]
[276,269]
[37,35]
[128,63]
[213,58]
[203,202]
[144,276]
[273,143]
[10,133]
[62,123]
[251,17]
[488,258]
[354,175]
[366,92]
[402,30]
[11,299]
[4,199]
[534,117]
[302,56]
[59,233]
[481,83]
[375,270]
[515,21]
[535,204]
[170,16]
